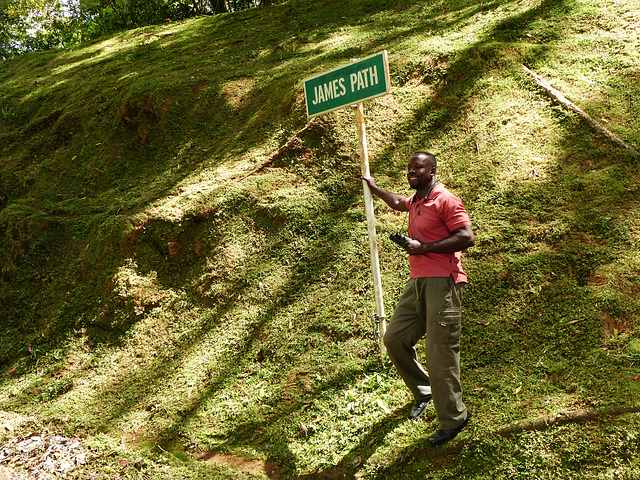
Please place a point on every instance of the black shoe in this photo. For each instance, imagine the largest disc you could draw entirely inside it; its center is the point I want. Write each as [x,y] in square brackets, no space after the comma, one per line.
[443,436]
[419,407]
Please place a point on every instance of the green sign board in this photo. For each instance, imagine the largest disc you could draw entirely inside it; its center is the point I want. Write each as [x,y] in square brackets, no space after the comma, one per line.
[354,83]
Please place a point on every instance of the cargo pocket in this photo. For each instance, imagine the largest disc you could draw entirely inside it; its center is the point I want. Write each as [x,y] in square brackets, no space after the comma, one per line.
[448,326]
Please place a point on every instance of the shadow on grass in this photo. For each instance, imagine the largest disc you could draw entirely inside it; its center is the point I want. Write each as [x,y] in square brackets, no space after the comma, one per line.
[448,452]
[349,465]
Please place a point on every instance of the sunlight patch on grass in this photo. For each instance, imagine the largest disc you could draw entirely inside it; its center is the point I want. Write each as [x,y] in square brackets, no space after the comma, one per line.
[335,42]
[237,92]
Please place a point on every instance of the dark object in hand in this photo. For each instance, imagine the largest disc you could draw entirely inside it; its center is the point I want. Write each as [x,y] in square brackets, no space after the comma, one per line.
[399,238]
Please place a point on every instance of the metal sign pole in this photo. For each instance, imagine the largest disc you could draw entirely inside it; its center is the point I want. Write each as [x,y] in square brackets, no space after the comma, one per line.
[351,84]
[371,226]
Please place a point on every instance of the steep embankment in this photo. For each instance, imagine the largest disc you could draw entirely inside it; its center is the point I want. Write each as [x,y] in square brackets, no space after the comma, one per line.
[172,282]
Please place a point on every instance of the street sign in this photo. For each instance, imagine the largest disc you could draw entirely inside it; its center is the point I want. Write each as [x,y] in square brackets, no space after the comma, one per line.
[348,85]
[351,85]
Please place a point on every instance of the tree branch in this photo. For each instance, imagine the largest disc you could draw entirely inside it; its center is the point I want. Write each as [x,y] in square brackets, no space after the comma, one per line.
[281,150]
[560,98]
[579,416]
[566,417]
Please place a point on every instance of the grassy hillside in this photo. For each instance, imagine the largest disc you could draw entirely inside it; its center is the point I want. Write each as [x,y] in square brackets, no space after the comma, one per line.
[191,305]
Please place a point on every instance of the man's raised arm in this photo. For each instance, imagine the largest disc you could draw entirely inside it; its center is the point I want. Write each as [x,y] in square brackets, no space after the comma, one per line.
[394,200]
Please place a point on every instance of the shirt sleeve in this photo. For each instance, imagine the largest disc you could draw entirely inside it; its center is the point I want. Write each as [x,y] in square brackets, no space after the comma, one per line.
[409,200]
[454,214]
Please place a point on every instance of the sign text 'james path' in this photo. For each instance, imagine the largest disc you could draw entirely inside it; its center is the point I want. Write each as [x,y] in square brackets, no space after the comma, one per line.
[348,85]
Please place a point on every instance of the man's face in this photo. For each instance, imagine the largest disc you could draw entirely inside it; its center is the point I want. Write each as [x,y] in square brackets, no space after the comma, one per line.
[419,172]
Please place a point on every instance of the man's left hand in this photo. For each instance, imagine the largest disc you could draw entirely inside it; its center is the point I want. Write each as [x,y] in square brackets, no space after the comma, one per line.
[414,247]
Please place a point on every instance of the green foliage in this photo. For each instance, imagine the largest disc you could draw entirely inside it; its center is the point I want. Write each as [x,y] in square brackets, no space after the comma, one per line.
[48,24]
[36,25]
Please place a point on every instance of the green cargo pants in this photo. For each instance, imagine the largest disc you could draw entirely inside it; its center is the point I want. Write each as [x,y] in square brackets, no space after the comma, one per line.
[430,306]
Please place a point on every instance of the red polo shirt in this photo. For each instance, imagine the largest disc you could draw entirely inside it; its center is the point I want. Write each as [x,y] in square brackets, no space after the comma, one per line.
[433,219]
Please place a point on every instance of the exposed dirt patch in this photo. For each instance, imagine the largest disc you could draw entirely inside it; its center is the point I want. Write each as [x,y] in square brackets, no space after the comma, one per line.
[597,280]
[143,115]
[255,467]
[268,468]
[615,326]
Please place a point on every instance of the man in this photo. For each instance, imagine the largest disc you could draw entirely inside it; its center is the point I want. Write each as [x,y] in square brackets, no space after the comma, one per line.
[439,228]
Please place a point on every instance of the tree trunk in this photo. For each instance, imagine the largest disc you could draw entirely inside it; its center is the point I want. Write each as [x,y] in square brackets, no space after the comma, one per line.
[560,98]
[218,6]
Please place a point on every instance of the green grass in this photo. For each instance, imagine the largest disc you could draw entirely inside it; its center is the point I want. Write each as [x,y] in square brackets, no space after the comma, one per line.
[167,307]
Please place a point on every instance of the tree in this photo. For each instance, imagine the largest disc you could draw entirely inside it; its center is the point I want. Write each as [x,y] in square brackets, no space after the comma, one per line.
[44,24]
[218,6]
[36,25]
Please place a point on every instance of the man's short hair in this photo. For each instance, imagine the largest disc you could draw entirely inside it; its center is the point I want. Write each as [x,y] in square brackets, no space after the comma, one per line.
[428,155]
